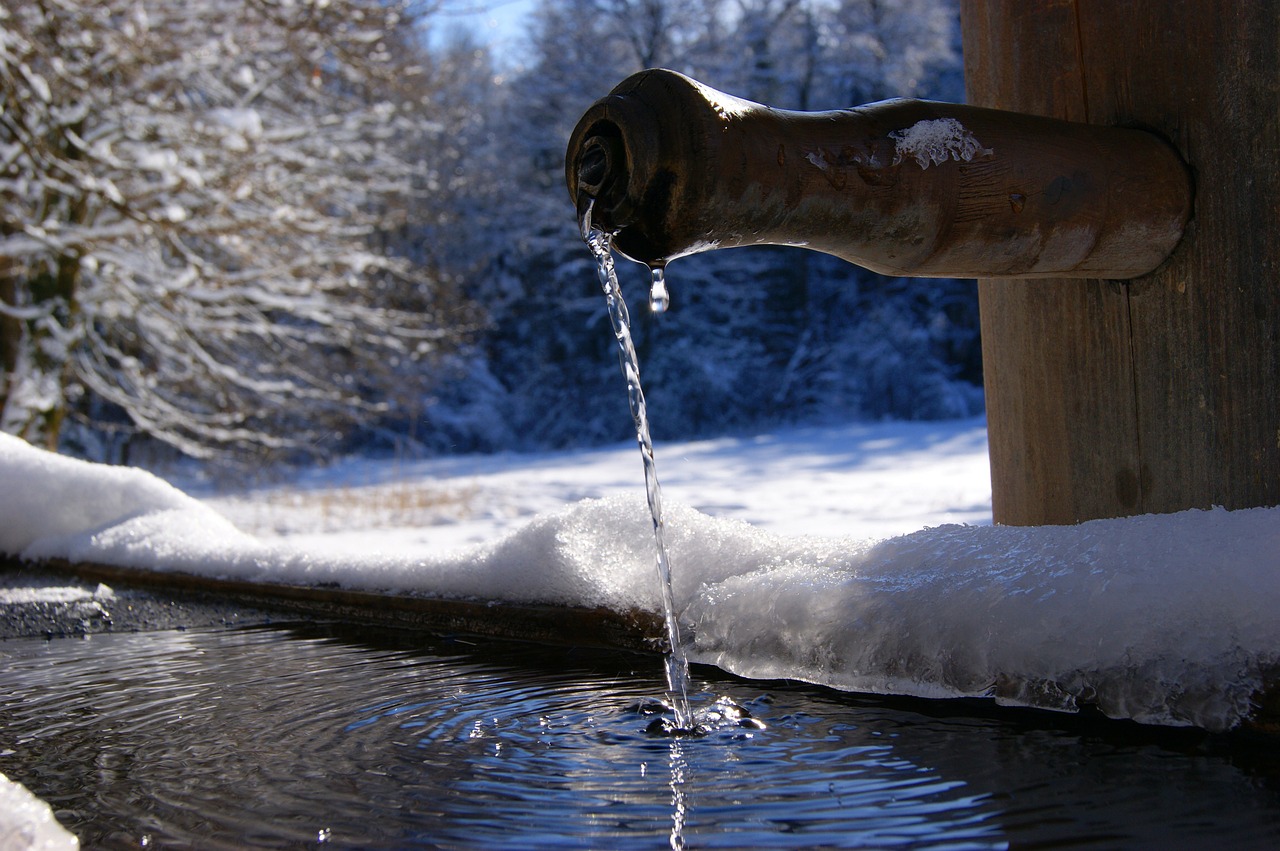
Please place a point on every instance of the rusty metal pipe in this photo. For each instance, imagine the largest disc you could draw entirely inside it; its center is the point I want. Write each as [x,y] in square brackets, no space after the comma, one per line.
[902,187]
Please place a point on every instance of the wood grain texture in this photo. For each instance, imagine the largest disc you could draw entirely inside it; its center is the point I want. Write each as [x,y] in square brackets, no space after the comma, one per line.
[903,187]
[1161,394]
[545,623]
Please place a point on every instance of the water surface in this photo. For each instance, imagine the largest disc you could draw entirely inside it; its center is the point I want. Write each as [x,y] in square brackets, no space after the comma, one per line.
[306,736]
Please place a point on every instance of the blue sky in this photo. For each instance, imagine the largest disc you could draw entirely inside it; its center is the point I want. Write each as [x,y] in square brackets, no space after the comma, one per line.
[494,21]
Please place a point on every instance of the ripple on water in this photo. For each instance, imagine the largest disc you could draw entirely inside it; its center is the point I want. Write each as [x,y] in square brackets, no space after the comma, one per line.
[284,737]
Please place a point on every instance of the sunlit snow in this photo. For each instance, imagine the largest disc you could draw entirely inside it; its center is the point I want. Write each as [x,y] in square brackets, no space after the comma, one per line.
[836,556]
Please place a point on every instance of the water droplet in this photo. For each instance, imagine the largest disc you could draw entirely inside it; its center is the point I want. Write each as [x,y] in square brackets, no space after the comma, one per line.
[649,706]
[1017,201]
[659,298]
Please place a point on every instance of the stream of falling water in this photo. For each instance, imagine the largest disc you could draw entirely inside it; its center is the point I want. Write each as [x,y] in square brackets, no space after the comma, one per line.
[601,245]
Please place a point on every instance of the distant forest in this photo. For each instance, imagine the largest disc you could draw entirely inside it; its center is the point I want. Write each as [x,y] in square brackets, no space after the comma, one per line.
[255,231]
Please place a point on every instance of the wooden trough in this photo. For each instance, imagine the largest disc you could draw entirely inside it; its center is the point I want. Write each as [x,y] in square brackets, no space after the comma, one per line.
[547,624]
[635,631]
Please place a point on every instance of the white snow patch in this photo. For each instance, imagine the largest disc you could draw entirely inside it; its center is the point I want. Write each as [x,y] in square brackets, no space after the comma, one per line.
[56,594]
[240,126]
[818,159]
[47,495]
[935,141]
[247,122]
[27,823]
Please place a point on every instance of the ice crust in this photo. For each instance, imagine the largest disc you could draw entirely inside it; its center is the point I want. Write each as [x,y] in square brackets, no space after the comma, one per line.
[1166,619]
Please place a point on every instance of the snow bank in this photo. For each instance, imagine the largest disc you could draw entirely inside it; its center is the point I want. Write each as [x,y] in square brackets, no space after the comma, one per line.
[47,495]
[63,508]
[27,823]
[1164,619]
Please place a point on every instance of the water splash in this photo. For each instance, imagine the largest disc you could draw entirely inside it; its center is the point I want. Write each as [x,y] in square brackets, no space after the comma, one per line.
[677,663]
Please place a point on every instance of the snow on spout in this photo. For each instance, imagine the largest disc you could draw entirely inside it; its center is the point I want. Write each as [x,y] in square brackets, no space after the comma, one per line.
[935,141]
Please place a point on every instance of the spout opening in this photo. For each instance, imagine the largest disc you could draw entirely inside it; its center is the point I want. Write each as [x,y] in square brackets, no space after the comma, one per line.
[593,167]
[600,171]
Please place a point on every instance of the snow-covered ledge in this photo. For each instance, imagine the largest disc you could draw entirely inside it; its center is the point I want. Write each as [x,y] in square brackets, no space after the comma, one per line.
[1166,620]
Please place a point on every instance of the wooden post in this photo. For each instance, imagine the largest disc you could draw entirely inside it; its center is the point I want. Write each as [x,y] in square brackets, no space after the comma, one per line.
[1108,399]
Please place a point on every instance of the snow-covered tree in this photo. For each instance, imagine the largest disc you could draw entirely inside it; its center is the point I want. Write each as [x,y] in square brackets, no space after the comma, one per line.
[755,336]
[904,48]
[199,204]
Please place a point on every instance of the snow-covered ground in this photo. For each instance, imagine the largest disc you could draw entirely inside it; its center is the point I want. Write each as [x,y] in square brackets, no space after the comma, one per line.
[859,557]
[863,481]
[862,558]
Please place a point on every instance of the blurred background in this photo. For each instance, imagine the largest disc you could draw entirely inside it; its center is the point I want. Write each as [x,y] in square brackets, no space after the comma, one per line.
[270,232]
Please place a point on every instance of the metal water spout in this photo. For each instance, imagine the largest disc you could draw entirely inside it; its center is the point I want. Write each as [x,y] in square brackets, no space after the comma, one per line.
[902,187]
